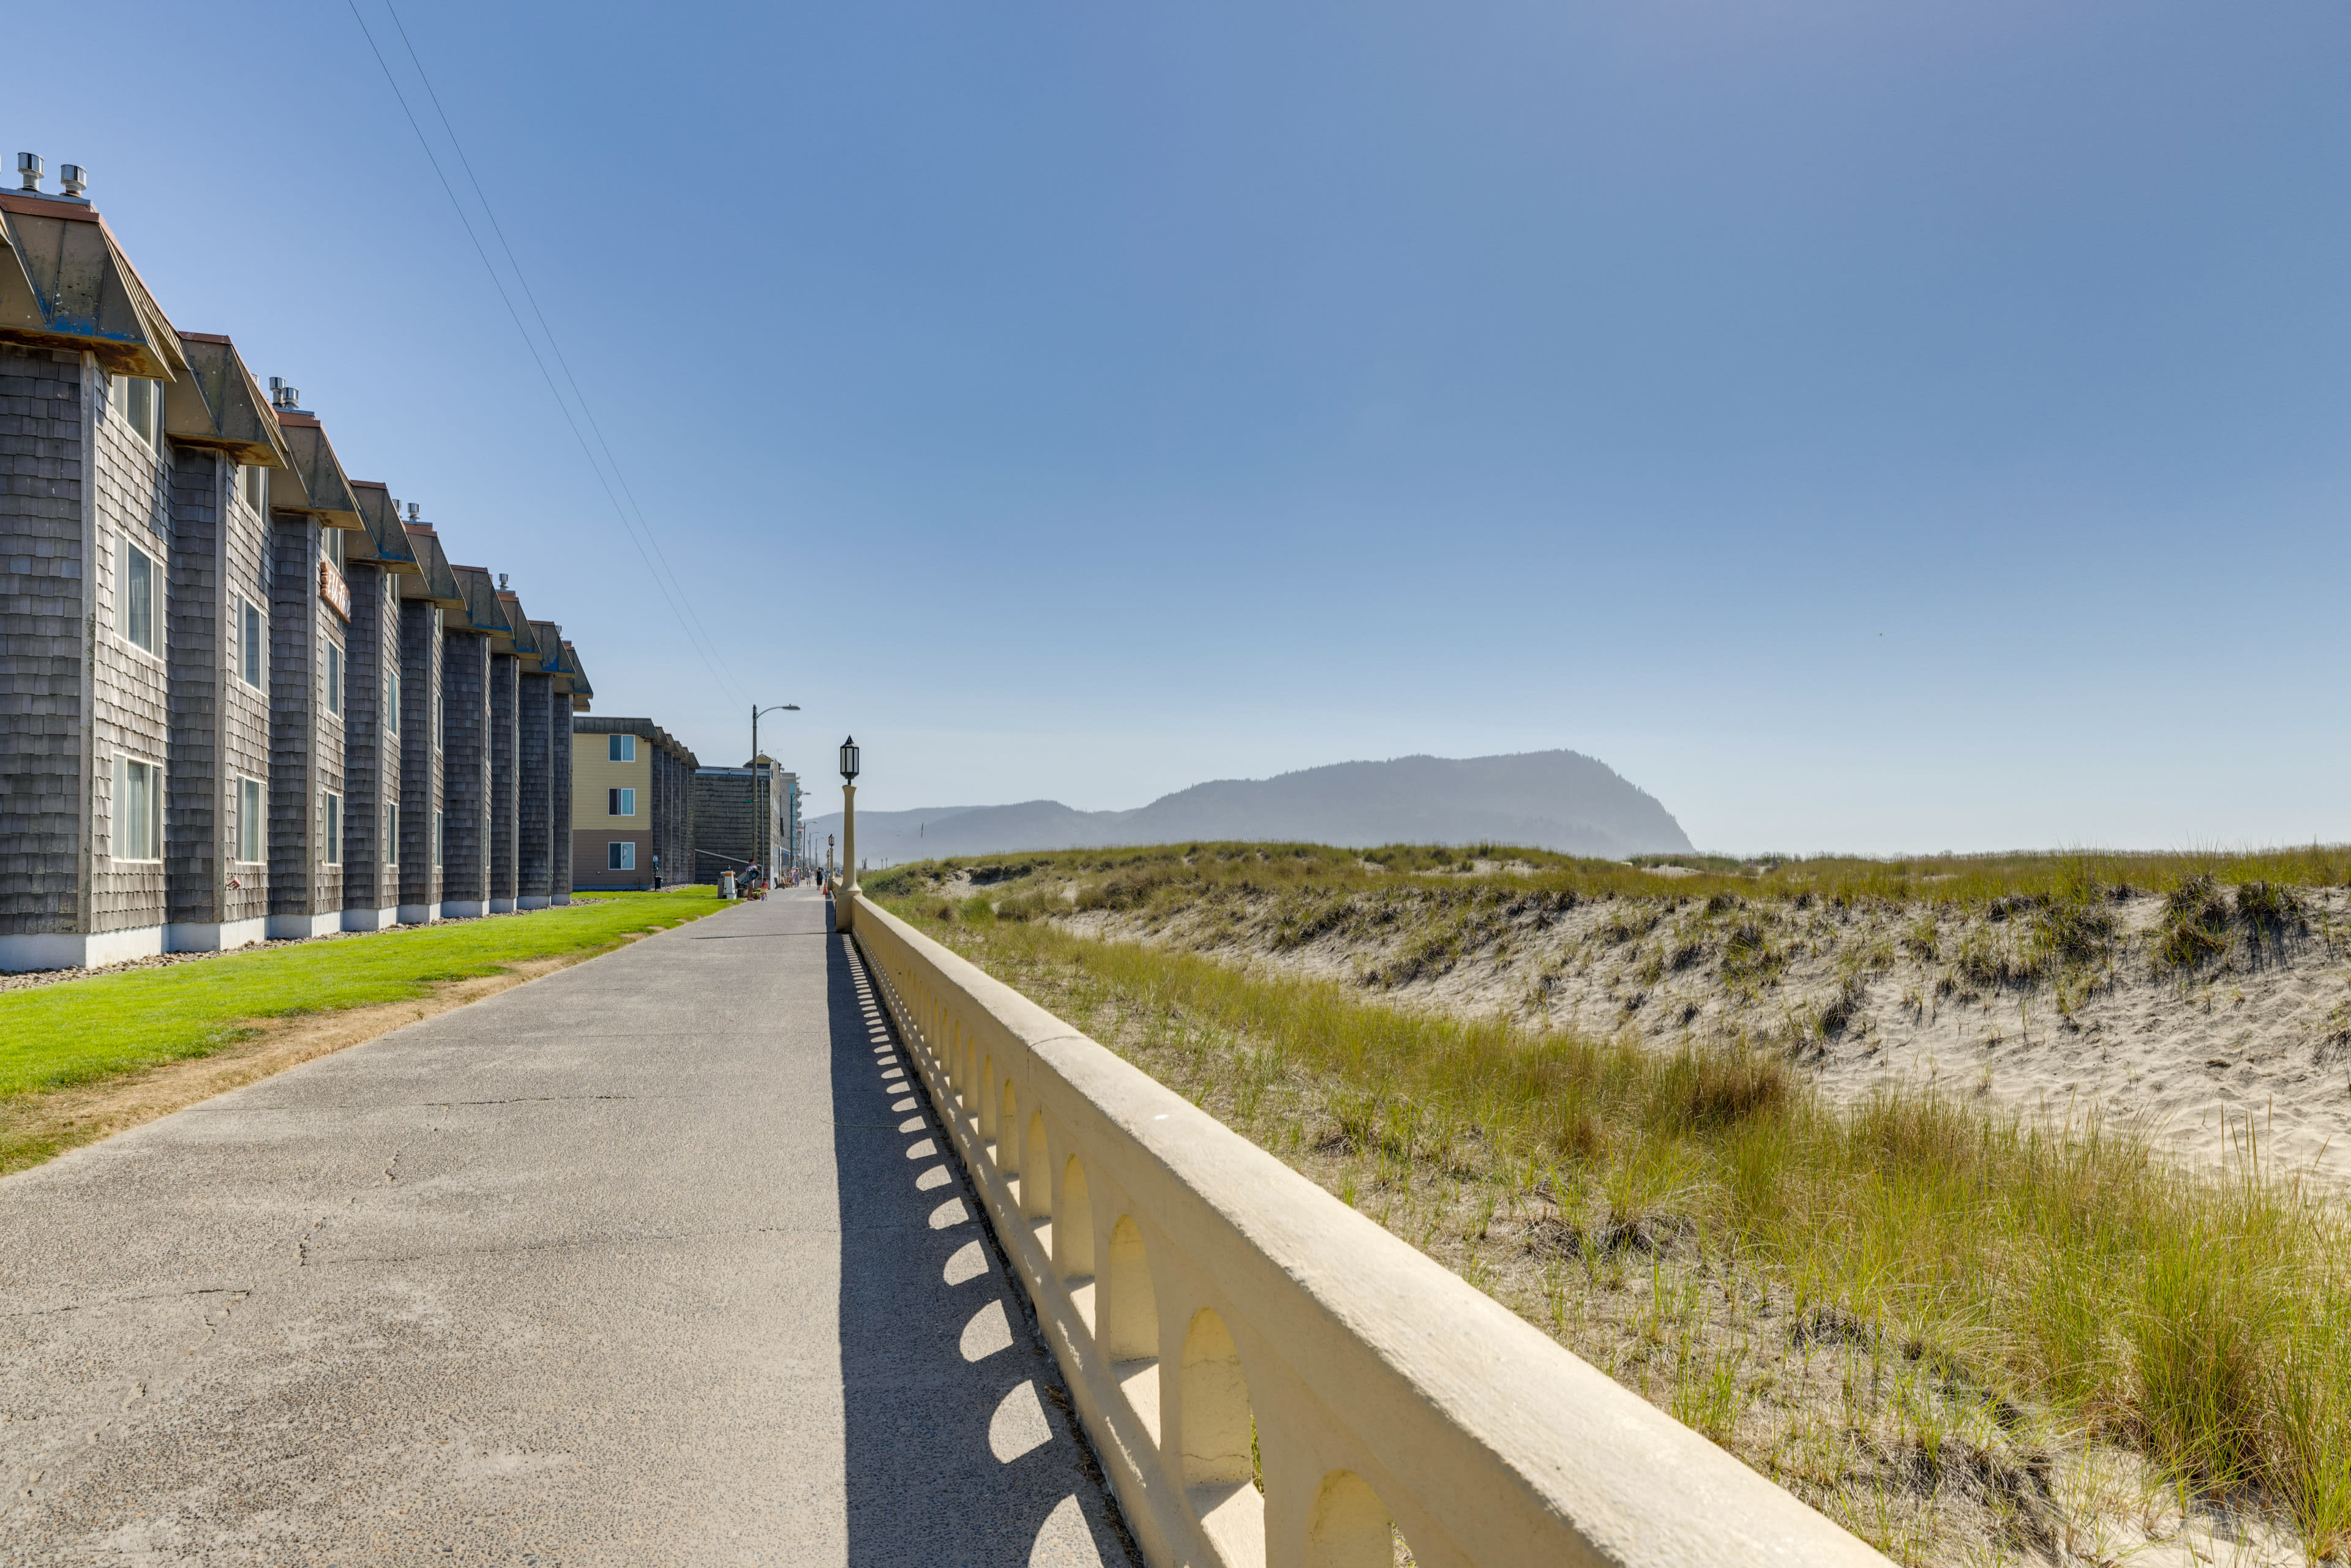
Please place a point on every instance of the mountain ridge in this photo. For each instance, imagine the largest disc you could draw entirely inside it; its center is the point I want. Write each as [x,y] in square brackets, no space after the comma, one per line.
[1557,799]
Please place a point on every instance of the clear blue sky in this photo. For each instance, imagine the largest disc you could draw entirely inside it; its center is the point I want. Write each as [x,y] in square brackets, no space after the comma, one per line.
[1866,426]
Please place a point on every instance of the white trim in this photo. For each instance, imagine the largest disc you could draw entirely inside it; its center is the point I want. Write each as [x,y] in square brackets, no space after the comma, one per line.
[283,927]
[77,950]
[214,936]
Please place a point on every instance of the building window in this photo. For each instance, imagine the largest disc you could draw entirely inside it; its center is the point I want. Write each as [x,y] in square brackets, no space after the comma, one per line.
[621,856]
[256,480]
[250,820]
[248,647]
[332,851]
[436,838]
[621,748]
[138,398]
[440,722]
[138,810]
[334,680]
[623,802]
[135,599]
[330,545]
[391,835]
[391,701]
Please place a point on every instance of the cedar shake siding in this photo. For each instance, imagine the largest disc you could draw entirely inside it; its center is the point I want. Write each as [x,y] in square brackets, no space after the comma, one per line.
[201,744]
[420,758]
[372,762]
[535,792]
[464,774]
[44,768]
[305,741]
[504,669]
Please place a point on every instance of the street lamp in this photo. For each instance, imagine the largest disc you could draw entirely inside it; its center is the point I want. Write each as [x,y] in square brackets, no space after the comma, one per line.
[843,906]
[760,846]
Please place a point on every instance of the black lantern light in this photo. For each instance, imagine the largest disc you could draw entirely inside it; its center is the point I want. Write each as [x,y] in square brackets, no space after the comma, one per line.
[849,758]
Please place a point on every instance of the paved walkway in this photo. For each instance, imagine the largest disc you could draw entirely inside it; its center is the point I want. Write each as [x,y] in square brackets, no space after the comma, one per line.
[649,1262]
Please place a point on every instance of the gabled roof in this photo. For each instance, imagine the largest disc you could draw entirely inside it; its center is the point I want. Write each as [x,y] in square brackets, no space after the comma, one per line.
[218,404]
[434,580]
[483,612]
[385,542]
[314,481]
[518,624]
[581,692]
[65,282]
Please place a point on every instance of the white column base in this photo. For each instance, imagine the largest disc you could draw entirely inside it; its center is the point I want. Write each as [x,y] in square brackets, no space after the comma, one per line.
[560,900]
[214,936]
[463,908]
[78,949]
[419,914]
[370,919]
[531,901]
[298,926]
[502,906]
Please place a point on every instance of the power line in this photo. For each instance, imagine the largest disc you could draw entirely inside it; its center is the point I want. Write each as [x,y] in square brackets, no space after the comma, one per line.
[554,345]
[684,620]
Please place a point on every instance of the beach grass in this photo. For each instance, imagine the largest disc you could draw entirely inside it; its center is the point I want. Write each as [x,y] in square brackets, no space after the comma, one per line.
[1945,1324]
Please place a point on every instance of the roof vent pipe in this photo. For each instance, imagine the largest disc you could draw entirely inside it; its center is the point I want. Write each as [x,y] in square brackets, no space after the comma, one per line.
[29,168]
[75,178]
[502,582]
[415,511]
[282,396]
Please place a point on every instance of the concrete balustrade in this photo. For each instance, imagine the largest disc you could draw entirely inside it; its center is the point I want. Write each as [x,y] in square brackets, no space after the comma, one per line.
[1216,1315]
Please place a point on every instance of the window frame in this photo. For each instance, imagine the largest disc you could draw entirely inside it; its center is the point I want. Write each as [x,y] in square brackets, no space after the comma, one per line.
[392,700]
[620,854]
[621,800]
[335,673]
[331,841]
[251,822]
[439,843]
[120,817]
[252,644]
[126,606]
[139,401]
[391,854]
[621,748]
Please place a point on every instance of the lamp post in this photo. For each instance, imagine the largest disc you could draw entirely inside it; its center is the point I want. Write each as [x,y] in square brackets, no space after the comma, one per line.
[760,844]
[849,762]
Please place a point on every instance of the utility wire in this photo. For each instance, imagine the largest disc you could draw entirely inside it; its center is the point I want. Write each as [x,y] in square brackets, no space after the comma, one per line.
[554,345]
[684,620]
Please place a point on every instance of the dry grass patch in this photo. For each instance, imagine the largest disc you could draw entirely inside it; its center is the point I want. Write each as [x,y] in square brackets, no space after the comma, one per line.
[1967,1337]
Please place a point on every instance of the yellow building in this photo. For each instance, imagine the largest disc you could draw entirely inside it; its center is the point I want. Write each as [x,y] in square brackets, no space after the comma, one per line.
[631,805]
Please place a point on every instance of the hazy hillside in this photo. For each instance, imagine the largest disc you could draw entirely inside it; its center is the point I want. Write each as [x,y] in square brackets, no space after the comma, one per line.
[1547,799]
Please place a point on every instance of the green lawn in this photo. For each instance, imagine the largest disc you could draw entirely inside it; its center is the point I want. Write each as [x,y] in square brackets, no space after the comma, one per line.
[54,1037]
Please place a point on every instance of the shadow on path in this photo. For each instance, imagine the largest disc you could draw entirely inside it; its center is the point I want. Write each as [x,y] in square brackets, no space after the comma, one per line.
[959,1446]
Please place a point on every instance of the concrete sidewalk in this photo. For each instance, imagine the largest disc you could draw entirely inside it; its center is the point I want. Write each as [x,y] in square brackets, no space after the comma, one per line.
[652,1260]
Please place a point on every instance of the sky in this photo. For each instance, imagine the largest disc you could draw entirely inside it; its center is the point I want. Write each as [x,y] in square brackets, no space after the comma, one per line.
[1866,427]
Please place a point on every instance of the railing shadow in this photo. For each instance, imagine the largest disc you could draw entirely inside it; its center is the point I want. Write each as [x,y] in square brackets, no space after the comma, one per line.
[959,1446]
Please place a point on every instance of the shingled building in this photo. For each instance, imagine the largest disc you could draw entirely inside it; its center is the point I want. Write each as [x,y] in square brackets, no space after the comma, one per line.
[227,710]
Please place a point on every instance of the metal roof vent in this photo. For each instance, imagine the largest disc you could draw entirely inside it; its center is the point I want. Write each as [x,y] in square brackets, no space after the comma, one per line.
[75,178]
[283,397]
[415,511]
[502,582]
[29,169]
